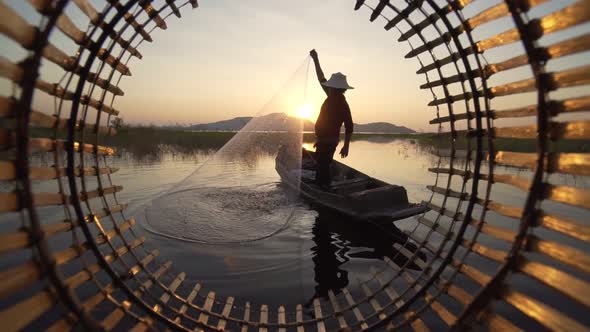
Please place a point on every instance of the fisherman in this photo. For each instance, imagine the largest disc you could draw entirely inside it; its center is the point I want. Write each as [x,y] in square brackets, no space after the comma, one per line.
[334,112]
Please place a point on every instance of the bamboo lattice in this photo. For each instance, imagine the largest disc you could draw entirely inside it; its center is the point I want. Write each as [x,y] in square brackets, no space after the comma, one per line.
[475,266]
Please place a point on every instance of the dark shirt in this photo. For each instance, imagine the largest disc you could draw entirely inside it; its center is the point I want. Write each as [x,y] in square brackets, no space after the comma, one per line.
[333,113]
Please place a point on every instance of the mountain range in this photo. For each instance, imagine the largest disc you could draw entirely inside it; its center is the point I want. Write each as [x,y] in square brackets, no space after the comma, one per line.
[281,121]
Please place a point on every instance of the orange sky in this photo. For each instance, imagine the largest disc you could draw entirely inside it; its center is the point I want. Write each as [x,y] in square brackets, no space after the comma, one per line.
[228,58]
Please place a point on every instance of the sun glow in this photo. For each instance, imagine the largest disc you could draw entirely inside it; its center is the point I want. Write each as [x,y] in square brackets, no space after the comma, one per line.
[305,111]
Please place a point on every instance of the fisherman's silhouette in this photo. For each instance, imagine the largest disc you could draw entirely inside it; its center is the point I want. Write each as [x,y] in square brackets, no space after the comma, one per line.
[334,238]
[334,112]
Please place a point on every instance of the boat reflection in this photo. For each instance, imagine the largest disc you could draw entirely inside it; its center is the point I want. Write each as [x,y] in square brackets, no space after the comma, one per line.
[339,240]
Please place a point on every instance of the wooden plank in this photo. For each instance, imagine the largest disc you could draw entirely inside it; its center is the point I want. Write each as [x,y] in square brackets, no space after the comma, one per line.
[544,314]
[416,323]
[317,310]
[355,310]
[226,312]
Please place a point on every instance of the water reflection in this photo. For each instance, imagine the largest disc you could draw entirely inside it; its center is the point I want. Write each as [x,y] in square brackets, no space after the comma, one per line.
[338,240]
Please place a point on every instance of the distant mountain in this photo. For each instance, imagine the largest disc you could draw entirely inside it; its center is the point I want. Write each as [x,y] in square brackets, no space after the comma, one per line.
[382,127]
[234,124]
[281,121]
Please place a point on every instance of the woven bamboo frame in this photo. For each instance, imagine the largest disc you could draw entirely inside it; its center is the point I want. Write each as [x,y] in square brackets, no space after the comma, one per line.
[44,285]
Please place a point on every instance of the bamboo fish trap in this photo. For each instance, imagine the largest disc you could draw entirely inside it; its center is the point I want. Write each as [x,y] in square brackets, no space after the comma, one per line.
[476,266]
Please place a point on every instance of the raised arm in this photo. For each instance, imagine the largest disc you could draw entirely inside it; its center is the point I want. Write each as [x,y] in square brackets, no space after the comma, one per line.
[318,69]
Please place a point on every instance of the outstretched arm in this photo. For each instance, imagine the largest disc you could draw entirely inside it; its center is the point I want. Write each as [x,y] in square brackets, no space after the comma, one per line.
[318,69]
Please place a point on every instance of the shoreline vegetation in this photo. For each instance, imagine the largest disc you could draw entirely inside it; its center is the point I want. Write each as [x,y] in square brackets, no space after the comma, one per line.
[147,137]
[193,140]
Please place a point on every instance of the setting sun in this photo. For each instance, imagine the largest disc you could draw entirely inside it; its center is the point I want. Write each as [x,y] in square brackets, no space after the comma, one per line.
[305,111]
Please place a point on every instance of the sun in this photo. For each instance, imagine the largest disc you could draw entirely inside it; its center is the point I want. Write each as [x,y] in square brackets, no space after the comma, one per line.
[305,111]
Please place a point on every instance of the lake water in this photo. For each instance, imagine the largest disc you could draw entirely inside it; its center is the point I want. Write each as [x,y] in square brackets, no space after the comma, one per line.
[248,239]
[237,231]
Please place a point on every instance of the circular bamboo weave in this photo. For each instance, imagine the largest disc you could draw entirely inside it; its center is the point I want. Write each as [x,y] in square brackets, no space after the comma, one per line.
[481,252]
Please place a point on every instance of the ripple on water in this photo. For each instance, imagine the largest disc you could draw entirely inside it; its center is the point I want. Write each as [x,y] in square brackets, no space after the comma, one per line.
[221,215]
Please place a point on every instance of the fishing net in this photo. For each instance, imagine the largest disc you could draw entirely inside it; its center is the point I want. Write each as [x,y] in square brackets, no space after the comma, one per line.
[232,196]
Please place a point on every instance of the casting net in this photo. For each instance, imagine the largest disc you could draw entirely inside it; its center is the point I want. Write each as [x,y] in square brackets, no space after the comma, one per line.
[230,197]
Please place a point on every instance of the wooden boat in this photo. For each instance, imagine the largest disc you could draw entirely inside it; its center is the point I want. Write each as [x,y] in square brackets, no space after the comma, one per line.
[351,193]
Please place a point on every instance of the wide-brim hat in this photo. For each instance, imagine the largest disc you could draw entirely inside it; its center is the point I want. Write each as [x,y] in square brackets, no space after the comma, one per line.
[337,81]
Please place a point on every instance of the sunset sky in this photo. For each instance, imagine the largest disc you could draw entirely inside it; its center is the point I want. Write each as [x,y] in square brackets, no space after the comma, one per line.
[229,58]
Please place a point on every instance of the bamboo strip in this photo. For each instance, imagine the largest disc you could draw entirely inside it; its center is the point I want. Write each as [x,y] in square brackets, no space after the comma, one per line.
[19,315]
[444,38]
[173,7]
[378,9]
[43,120]
[448,192]
[164,298]
[133,271]
[15,73]
[568,195]
[416,324]
[263,317]
[18,278]
[355,310]
[85,275]
[565,226]
[9,201]
[560,252]
[317,309]
[472,272]
[555,51]
[246,317]
[113,319]
[203,317]
[496,322]
[191,297]
[13,241]
[408,254]
[299,318]
[432,18]
[373,301]
[336,310]
[549,317]
[229,303]
[493,254]
[153,14]
[391,293]
[15,27]
[281,318]
[575,288]
[50,145]
[445,211]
